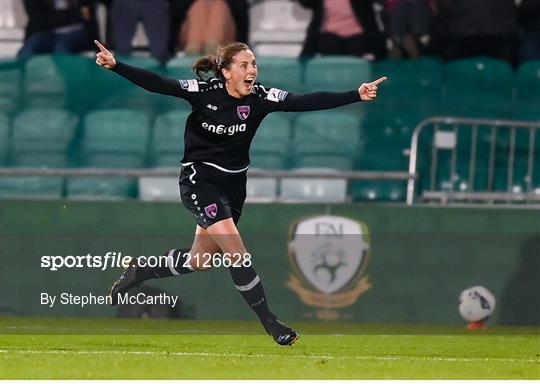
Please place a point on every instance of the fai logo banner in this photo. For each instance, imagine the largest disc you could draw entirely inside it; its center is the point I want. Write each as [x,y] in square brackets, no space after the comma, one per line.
[329,255]
[243,111]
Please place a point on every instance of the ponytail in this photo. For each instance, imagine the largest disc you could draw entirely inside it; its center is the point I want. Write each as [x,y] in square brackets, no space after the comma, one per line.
[206,65]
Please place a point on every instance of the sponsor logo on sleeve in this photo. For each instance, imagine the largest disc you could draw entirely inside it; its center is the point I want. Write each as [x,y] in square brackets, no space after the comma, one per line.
[190,85]
[276,95]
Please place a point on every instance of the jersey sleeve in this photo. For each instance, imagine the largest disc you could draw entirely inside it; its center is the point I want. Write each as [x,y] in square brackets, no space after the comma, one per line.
[189,90]
[275,100]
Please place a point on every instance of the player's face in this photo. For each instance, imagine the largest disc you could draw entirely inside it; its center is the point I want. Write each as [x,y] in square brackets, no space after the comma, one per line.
[241,74]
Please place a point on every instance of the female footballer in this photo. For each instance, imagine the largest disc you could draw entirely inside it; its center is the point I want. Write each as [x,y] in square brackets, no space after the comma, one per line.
[228,106]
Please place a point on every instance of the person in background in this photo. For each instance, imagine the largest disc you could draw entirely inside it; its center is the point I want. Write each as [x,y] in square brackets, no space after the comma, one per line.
[57,26]
[410,26]
[154,15]
[343,27]
[200,26]
[480,28]
[529,22]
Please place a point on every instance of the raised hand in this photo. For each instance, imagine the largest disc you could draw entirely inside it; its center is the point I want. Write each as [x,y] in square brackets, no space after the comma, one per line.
[368,91]
[104,57]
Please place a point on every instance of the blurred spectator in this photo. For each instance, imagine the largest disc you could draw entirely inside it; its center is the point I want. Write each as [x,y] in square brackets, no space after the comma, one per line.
[200,26]
[529,21]
[480,28]
[57,26]
[343,27]
[154,15]
[410,26]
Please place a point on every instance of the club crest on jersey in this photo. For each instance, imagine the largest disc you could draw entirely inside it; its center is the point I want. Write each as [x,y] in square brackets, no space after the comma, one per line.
[243,111]
[211,210]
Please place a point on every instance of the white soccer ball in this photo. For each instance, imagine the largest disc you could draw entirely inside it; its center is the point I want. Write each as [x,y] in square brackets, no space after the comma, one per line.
[476,304]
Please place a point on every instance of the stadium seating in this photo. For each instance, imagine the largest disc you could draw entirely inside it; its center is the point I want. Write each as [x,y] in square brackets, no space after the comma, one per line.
[10,91]
[43,129]
[478,87]
[44,83]
[378,190]
[36,187]
[373,136]
[106,187]
[328,126]
[270,147]
[412,84]
[313,190]
[528,83]
[326,139]
[335,73]
[168,139]
[261,189]
[116,131]
[4,138]
[280,72]
[159,188]
[181,68]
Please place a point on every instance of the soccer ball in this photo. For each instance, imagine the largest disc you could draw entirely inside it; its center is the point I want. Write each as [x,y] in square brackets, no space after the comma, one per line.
[476,304]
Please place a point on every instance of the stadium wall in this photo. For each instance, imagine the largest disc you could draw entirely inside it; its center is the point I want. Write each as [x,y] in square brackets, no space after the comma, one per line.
[416,260]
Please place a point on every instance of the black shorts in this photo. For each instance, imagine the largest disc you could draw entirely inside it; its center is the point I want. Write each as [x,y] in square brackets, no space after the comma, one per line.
[212,195]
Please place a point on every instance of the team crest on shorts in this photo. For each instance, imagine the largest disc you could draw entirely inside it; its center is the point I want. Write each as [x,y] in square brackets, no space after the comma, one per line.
[243,111]
[211,210]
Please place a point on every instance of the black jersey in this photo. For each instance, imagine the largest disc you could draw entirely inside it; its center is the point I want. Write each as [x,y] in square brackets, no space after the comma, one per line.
[221,127]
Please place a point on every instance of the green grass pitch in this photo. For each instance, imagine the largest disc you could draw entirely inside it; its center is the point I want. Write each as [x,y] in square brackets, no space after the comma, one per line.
[47,348]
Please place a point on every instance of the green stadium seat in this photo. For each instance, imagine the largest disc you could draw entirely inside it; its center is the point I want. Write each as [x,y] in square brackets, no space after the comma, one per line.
[269,154]
[314,190]
[44,83]
[49,187]
[267,160]
[528,82]
[328,126]
[378,190]
[43,129]
[130,96]
[414,83]
[5,140]
[11,83]
[169,132]
[274,127]
[168,160]
[120,131]
[36,187]
[526,112]
[148,63]
[336,73]
[334,161]
[181,68]
[280,72]
[479,87]
[107,187]
[309,154]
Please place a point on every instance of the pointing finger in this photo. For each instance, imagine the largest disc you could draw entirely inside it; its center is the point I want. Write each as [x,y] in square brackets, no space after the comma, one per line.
[380,80]
[101,47]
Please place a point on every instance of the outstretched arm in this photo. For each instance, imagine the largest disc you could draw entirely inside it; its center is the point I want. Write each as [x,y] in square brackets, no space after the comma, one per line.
[148,80]
[326,100]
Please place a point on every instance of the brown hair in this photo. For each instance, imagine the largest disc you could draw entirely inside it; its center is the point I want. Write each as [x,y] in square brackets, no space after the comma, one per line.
[215,63]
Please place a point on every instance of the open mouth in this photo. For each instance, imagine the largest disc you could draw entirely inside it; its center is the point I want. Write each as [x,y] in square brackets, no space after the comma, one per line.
[249,82]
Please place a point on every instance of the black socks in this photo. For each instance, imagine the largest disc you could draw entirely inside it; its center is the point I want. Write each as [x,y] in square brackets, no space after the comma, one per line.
[169,264]
[250,287]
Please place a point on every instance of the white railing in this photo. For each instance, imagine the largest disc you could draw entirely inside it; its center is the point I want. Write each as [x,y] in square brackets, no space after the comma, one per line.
[447,132]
